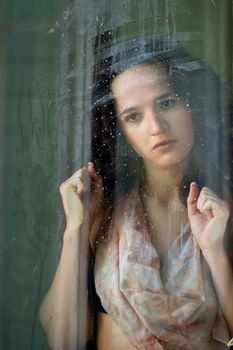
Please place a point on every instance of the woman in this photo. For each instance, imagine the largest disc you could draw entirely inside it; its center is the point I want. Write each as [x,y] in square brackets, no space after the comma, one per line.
[156,220]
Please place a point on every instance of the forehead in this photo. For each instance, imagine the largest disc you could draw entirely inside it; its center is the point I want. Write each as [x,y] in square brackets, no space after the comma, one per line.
[140,76]
[139,86]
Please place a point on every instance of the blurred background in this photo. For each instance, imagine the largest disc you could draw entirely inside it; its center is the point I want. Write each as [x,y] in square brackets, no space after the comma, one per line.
[46,61]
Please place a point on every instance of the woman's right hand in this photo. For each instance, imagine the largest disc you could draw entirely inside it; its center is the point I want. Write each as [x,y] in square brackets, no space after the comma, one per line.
[82,197]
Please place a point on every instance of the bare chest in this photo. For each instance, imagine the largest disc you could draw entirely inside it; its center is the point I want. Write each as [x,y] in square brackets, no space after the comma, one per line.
[165,225]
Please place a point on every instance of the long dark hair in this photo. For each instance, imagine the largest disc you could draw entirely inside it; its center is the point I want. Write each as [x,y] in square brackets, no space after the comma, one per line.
[201,90]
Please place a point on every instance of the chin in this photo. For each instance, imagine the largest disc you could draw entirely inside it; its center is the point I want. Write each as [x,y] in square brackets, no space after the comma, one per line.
[171,163]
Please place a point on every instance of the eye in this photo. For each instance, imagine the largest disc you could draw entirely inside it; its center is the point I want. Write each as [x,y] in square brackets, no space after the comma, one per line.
[168,103]
[133,117]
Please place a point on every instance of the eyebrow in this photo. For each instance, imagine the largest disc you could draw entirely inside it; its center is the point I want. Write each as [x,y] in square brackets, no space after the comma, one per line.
[168,94]
[159,98]
[127,110]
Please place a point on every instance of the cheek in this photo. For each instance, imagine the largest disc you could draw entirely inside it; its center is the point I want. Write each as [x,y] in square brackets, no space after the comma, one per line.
[187,128]
[135,133]
[134,140]
[131,140]
[188,139]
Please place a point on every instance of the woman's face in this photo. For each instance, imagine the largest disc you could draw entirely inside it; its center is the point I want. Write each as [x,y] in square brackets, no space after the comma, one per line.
[155,121]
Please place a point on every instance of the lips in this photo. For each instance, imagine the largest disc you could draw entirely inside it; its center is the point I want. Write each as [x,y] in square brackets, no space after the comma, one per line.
[163,144]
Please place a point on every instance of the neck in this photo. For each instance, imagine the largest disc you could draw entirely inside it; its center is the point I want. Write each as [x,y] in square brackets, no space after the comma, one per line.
[164,184]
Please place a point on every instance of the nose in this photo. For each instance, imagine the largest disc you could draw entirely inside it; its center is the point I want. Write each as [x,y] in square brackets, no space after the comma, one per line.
[156,123]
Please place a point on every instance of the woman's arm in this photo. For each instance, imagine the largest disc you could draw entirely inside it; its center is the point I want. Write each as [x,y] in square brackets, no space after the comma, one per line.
[64,313]
[66,300]
[223,280]
[208,216]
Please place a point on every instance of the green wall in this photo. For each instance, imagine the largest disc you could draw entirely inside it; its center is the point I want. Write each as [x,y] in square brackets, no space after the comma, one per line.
[30,61]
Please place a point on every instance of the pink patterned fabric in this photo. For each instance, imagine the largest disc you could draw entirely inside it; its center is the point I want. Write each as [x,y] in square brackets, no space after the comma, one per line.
[168,306]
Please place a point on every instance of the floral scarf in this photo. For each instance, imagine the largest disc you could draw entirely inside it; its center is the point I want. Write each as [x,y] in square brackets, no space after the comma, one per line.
[168,306]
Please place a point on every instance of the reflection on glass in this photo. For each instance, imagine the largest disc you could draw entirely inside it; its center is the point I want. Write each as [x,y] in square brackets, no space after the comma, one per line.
[150,216]
[98,82]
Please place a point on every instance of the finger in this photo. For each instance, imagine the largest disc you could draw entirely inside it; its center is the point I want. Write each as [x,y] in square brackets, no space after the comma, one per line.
[206,206]
[211,205]
[207,193]
[83,184]
[208,213]
[93,173]
[192,199]
[207,190]
[79,182]
[96,179]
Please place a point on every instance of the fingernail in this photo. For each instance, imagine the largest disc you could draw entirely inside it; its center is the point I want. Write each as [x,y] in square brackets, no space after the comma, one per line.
[90,164]
[193,184]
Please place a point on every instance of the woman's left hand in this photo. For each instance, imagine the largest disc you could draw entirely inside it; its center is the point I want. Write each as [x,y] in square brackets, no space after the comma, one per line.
[208,216]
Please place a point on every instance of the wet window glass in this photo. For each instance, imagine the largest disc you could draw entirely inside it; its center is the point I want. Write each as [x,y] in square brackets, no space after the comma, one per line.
[116,175]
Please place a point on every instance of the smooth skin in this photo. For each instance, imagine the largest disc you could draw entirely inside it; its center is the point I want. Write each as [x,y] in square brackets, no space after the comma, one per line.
[159,127]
